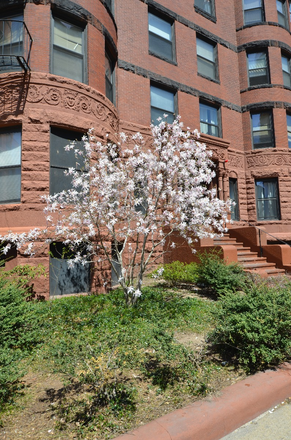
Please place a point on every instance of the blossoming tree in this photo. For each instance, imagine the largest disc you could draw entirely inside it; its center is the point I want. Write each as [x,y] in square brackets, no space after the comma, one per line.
[130,198]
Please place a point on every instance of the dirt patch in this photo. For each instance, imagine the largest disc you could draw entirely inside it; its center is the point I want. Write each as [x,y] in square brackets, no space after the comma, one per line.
[34,418]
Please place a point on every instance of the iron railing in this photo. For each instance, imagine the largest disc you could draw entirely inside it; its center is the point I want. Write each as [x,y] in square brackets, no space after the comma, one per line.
[267,233]
[15,46]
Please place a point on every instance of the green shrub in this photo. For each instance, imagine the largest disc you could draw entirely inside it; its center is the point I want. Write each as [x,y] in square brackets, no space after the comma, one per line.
[220,277]
[18,334]
[255,327]
[178,272]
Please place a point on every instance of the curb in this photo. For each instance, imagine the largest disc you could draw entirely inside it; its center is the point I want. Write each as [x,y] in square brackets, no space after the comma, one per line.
[213,418]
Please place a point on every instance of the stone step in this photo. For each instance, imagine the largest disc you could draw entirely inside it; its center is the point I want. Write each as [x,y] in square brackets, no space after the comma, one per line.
[258,265]
[276,271]
[253,258]
[249,260]
[246,252]
[227,242]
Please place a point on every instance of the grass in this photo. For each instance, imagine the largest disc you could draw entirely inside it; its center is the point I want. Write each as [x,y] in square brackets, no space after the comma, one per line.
[122,366]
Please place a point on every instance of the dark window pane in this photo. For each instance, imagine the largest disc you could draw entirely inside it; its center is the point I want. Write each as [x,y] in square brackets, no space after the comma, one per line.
[209,120]
[68,50]
[282,13]
[267,199]
[115,276]
[61,160]
[162,102]
[206,58]
[286,71]
[67,64]
[10,183]
[160,46]
[160,36]
[205,5]
[109,78]
[258,68]
[233,194]
[253,16]
[10,165]
[59,156]
[206,68]
[159,113]
[262,130]
[109,89]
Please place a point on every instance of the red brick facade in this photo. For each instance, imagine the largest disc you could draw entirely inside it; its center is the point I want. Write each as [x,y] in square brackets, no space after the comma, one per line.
[37,100]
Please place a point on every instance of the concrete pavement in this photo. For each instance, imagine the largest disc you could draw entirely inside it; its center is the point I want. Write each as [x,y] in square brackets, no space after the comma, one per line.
[274,424]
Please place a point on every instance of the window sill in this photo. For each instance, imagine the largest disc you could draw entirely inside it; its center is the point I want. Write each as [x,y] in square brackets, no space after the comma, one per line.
[259,86]
[216,81]
[163,58]
[205,14]
[264,23]
[263,148]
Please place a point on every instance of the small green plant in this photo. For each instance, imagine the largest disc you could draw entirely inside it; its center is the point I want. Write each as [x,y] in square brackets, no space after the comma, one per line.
[22,276]
[214,273]
[255,327]
[178,272]
[18,334]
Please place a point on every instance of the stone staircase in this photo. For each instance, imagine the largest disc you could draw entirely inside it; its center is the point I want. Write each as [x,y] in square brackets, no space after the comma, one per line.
[250,261]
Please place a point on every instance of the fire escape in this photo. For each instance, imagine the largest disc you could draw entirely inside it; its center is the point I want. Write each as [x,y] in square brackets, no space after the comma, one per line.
[15,50]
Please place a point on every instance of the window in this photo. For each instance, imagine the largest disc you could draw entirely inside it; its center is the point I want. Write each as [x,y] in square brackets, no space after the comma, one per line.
[258,68]
[115,276]
[162,102]
[262,129]
[206,59]
[289,129]
[110,5]
[253,11]
[11,41]
[233,195]
[109,78]
[267,199]
[61,160]
[62,278]
[286,71]
[68,50]
[209,120]
[206,6]
[282,12]
[160,37]
[10,165]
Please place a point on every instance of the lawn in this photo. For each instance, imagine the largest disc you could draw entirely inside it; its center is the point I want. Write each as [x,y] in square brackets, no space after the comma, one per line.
[88,367]
[98,368]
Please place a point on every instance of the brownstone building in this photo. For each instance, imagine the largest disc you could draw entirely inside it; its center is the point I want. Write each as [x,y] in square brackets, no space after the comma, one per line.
[116,65]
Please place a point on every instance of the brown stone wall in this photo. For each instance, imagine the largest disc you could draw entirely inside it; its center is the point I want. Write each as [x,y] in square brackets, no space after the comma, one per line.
[40,100]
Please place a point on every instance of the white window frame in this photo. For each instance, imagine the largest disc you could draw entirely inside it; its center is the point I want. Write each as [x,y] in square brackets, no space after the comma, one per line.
[207,65]
[161,33]
[73,53]
[167,104]
[10,165]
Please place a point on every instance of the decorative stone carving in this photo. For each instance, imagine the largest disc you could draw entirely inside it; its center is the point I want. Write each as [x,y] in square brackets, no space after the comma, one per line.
[218,154]
[73,100]
[235,160]
[265,160]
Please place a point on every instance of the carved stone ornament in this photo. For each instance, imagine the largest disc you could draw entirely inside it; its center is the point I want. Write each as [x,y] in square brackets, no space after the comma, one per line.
[218,154]
[265,160]
[235,160]
[72,100]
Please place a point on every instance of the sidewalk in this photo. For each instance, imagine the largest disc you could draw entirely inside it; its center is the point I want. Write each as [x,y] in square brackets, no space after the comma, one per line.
[214,418]
[274,424]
